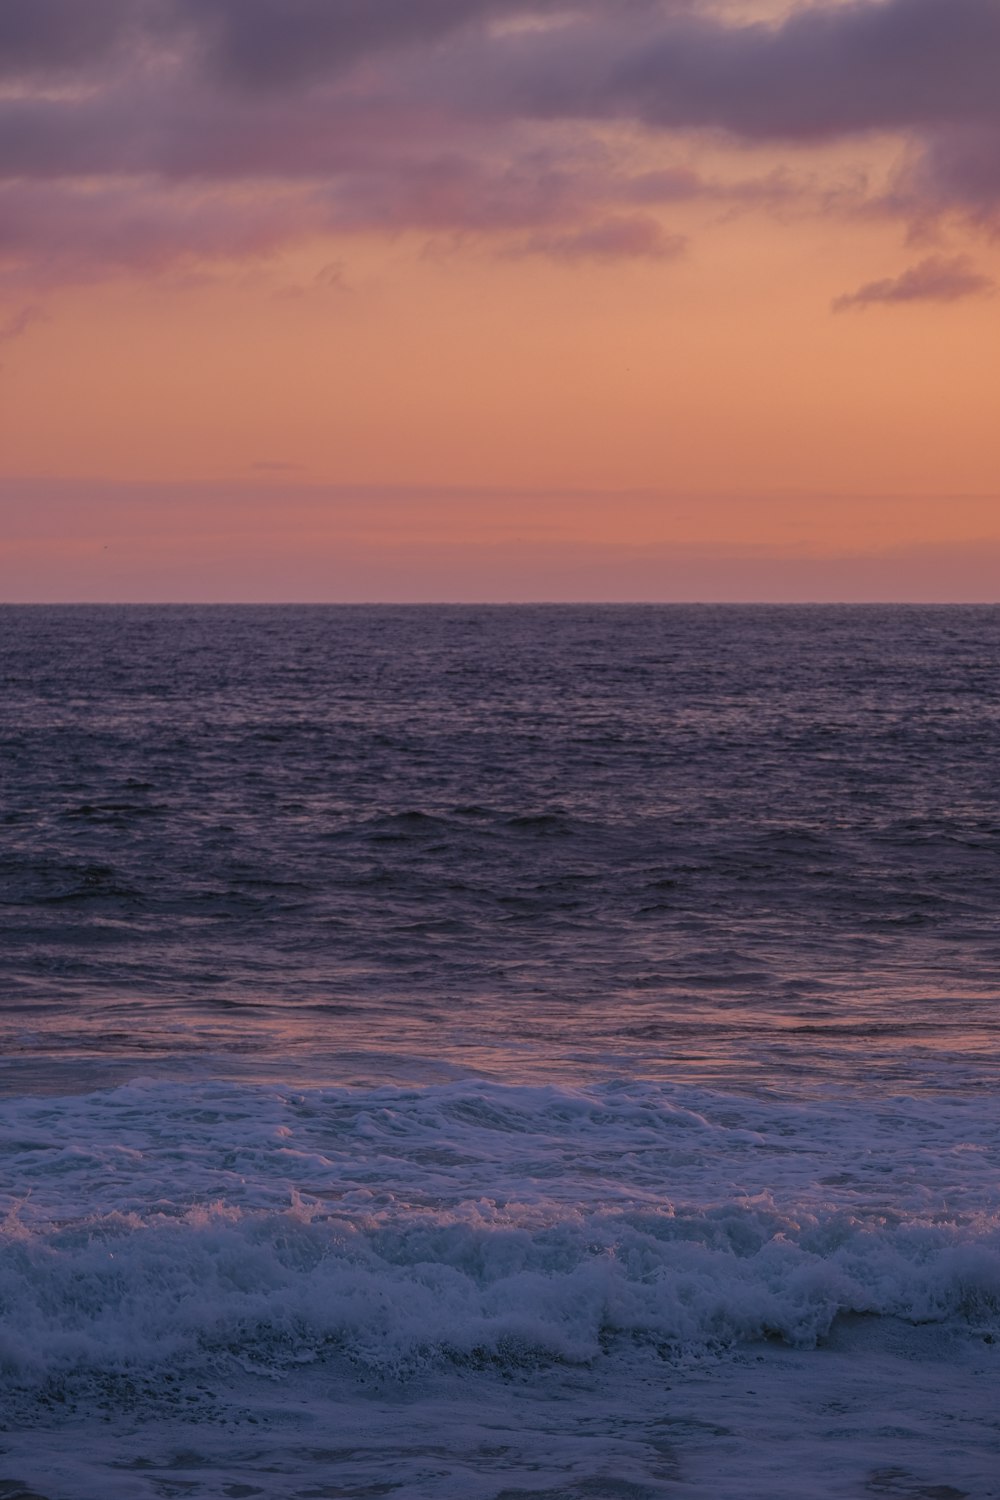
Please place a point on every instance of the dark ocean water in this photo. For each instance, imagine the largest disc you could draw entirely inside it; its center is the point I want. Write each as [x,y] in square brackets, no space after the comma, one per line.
[416,1013]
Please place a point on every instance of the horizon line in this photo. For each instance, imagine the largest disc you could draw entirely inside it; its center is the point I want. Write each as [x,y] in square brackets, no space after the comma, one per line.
[499,603]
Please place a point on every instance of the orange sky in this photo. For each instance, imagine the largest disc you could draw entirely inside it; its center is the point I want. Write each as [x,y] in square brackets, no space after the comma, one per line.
[588,359]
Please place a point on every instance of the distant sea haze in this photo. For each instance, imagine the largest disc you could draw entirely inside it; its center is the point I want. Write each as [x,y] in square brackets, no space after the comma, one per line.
[483,1052]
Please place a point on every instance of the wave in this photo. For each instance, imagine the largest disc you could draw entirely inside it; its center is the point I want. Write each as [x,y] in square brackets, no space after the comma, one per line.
[470,1223]
[264,1291]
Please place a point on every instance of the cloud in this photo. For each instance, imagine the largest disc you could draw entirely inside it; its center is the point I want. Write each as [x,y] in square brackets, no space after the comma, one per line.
[958,169]
[166,131]
[635,236]
[18,323]
[228,543]
[825,71]
[55,35]
[52,233]
[937,279]
[282,43]
[251,43]
[924,70]
[56,230]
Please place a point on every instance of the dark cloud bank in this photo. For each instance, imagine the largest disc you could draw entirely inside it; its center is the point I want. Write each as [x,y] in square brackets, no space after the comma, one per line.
[130,130]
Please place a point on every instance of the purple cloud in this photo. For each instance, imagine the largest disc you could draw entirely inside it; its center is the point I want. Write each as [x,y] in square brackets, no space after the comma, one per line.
[633,236]
[281,43]
[215,127]
[957,169]
[825,72]
[937,279]
[51,233]
[53,35]
[18,323]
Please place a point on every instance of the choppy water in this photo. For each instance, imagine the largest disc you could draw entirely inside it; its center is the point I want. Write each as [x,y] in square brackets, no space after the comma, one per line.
[495,1052]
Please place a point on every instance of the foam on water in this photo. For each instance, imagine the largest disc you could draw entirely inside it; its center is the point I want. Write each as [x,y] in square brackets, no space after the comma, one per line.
[158,1226]
[477,1290]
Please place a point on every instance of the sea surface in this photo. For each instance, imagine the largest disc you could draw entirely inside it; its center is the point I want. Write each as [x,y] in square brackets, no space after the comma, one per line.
[476,1053]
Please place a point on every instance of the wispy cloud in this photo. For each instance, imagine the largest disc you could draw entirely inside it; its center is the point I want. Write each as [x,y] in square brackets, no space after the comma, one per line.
[228,542]
[17,323]
[634,236]
[936,279]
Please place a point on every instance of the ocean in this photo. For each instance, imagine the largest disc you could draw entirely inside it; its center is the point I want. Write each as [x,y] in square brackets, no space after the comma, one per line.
[468,1053]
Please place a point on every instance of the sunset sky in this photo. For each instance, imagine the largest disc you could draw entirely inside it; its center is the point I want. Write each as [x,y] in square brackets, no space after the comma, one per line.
[474,300]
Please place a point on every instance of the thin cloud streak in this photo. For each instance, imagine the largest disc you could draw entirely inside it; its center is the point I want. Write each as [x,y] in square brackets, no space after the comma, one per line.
[936,279]
[634,237]
[16,324]
[279,540]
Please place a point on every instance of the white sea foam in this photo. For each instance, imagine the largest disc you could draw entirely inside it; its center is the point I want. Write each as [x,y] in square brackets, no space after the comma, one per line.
[220,1226]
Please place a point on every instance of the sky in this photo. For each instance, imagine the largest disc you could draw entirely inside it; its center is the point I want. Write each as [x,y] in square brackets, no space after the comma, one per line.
[459,300]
